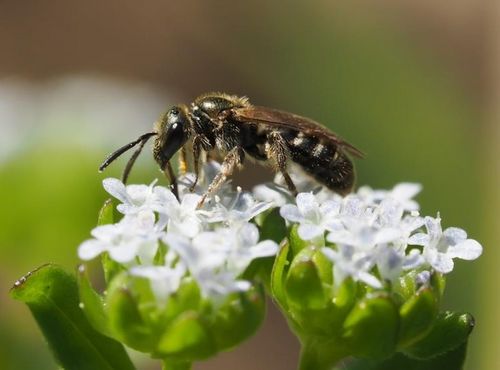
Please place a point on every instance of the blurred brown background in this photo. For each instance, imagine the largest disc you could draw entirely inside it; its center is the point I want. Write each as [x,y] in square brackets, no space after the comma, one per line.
[416,85]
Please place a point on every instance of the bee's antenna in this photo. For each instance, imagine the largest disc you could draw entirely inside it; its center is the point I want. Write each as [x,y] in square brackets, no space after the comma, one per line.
[142,139]
[134,156]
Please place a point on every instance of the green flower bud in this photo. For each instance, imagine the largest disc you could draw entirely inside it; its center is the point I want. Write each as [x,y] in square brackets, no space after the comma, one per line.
[450,330]
[417,315]
[187,338]
[125,320]
[370,329]
[296,243]
[278,275]
[92,303]
[238,318]
[303,285]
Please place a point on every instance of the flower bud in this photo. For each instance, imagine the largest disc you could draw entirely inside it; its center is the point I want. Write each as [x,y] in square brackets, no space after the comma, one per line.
[417,315]
[238,318]
[449,331]
[304,286]
[370,329]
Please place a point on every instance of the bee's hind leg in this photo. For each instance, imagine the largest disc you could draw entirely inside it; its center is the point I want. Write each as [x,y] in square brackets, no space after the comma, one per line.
[277,152]
[233,159]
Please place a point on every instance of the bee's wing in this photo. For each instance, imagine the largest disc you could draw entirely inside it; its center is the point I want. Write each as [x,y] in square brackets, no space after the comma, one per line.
[280,119]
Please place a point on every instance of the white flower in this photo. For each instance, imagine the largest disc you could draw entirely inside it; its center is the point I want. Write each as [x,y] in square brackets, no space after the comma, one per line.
[402,193]
[441,247]
[390,214]
[240,245]
[239,209]
[206,266]
[132,237]
[183,218]
[362,234]
[391,261]
[164,280]
[347,262]
[134,198]
[272,193]
[312,217]
[216,259]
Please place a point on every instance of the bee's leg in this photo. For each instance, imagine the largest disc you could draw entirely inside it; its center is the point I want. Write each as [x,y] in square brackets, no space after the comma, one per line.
[169,172]
[183,161]
[234,158]
[196,161]
[277,152]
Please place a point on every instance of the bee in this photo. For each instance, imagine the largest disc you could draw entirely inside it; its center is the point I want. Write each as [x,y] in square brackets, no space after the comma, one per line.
[228,125]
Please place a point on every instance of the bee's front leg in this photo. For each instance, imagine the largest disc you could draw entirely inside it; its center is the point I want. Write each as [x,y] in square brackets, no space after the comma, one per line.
[170,174]
[233,159]
[277,151]
[197,145]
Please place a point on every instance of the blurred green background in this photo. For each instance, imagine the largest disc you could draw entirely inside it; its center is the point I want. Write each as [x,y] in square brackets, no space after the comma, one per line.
[415,85]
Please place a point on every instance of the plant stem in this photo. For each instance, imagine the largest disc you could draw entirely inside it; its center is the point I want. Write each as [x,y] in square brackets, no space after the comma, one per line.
[320,354]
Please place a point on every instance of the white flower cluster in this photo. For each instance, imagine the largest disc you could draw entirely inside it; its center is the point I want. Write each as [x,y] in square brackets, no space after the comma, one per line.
[372,236]
[376,235]
[213,245]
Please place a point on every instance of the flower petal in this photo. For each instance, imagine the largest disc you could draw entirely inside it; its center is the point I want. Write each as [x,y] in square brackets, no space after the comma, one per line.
[468,250]
[369,279]
[116,188]
[433,226]
[308,231]
[443,263]
[90,249]
[419,239]
[406,190]
[307,205]
[454,235]
[123,253]
[291,213]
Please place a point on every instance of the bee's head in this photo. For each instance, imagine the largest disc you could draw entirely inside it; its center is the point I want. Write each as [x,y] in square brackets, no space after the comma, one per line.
[173,130]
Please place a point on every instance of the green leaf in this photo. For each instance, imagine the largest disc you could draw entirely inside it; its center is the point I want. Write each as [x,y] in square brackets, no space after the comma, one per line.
[52,296]
[450,330]
[453,360]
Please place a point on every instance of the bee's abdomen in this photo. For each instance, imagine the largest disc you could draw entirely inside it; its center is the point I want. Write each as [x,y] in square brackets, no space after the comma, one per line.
[321,159]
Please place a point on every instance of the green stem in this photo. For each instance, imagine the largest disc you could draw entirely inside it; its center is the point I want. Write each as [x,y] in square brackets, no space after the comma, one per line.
[320,354]
[176,365]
